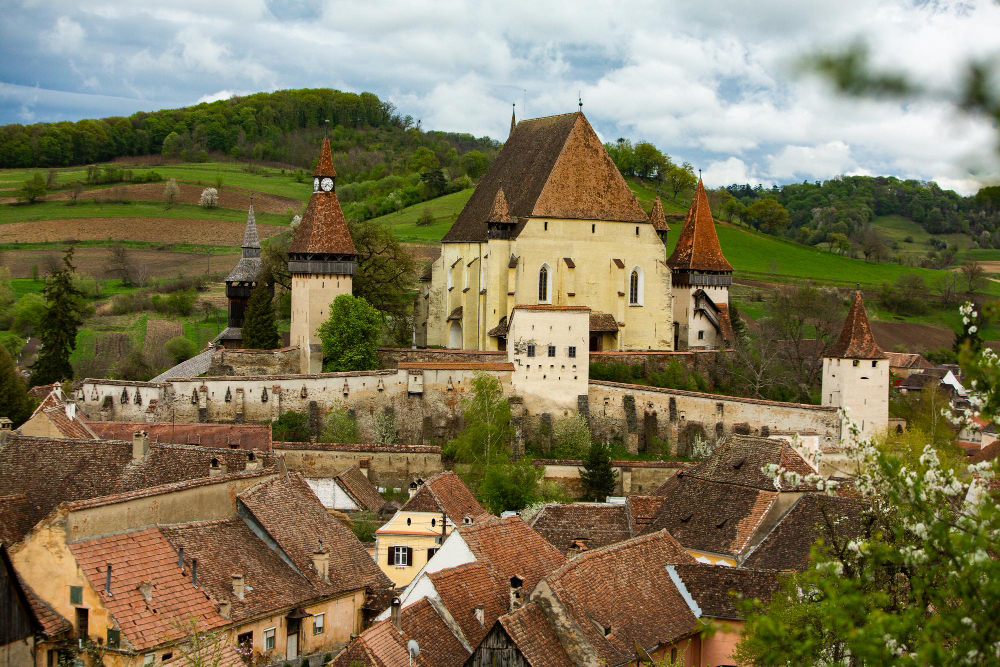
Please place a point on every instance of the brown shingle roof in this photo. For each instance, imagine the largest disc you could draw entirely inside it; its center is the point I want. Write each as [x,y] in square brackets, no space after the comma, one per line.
[908,360]
[657,218]
[594,524]
[145,556]
[738,459]
[446,492]
[987,453]
[531,632]
[511,547]
[323,229]
[698,246]
[716,588]
[271,503]
[223,436]
[554,167]
[856,340]
[381,645]
[16,518]
[360,488]
[76,470]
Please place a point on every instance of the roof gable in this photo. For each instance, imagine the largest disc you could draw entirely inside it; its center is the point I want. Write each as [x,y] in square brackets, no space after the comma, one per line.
[594,524]
[530,631]
[856,340]
[511,547]
[323,228]
[739,459]
[698,246]
[360,488]
[445,492]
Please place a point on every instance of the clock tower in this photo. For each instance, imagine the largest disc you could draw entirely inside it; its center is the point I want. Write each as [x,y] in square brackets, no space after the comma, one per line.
[322,260]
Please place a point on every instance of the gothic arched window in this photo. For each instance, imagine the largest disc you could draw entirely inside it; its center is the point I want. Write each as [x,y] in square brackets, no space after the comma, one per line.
[635,287]
[544,284]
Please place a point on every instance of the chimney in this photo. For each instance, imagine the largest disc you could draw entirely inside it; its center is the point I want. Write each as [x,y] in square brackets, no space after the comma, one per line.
[107,580]
[217,468]
[321,561]
[239,586]
[71,410]
[365,463]
[226,609]
[146,588]
[140,445]
[5,429]
[413,489]
[397,620]
[194,572]
[516,601]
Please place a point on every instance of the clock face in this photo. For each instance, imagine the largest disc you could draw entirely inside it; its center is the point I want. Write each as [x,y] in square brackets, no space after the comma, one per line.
[315,185]
[327,184]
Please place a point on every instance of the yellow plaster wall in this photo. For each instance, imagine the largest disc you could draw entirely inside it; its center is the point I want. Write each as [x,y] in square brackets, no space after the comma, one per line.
[419,535]
[41,426]
[312,295]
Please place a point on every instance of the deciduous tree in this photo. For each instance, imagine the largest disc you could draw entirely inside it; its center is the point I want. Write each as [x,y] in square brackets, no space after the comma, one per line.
[350,336]
[32,190]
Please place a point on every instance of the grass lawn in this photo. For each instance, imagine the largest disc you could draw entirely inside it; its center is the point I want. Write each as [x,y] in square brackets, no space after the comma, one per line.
[57,210]
[444,211]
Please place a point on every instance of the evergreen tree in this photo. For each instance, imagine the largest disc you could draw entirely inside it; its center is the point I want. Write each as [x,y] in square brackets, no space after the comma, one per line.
[59,325]
[260,331]
[598,476]
[15,403]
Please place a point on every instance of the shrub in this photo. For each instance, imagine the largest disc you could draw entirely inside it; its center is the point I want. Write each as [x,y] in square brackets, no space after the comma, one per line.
[426,217]
[340,427]
[132,302]
[27,312]
[171,191]
[180,349]
[133,366]
[32,190]
[364,526]
[291,426]
[570,437]
[209,198]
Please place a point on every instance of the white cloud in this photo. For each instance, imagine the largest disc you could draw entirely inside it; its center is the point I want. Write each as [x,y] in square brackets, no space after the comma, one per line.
[215,97]
[731,170]
[820,161]
[66,36]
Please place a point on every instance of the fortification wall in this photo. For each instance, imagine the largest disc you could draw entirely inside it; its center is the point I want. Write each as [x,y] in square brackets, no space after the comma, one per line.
[391,357]
[654,361]
[254,362]
[390,465]
[638,414]
[634,477]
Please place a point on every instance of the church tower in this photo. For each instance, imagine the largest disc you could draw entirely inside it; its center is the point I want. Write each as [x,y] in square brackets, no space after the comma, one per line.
[856,373]
[322,260]
[240,283]
[701,279]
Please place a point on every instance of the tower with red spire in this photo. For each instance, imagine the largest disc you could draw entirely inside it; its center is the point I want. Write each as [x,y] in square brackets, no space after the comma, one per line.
[701,277]
[322,260]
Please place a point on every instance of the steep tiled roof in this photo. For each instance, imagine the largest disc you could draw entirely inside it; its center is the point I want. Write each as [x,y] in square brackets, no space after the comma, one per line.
[813,516]
[271,503]
[623,594]
[603,322]
[987,453]
[911,360]
[712,517]
[248,267]
[53,407]
[84,469]
[534,637]
[594,525]
[222,436]
[15,518]
[52,623]
[553,167]
[726,323]
[500,211]
[138,557]
[698,246]
[657,218]
[464,588]
[740,458]
[381,645]
[716,588]
[357,484]
[856,340]
[511,547]
[323,229]
[642,510]
[191,368]
[446,492]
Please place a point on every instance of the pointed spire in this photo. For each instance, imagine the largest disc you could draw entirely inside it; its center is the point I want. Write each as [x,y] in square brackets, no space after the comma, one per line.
[500,212]
[698,246]
[251,241]
[513,121]
[324,166]
[657,217]
[856,340]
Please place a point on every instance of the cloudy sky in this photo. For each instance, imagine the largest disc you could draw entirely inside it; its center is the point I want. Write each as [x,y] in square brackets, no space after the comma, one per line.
[713,83]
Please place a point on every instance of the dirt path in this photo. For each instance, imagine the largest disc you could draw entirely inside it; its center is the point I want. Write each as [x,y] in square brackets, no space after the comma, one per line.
[229,197]
[163,230]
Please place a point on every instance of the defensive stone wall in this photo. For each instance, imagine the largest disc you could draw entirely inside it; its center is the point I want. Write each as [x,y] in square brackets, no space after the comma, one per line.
[654,361]
[389,465]
[638,414]
[634,477]
[254,362]
[391,357]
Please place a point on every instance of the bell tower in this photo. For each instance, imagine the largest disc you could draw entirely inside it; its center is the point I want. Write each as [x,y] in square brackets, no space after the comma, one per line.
[322,260]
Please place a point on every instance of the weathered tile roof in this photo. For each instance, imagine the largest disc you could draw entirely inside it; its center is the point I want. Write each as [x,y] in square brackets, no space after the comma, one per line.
[717,588]
[726,323]
[710,516]
[323,229]
[52,623]
[500,211]
[657,218]
[987,453]
[603,322]
[587,525]
[534,636]
[856,340]
[15,518]
[222,436]
[76,470]
[271,503]
[739,459]
[552,167]
[456,365]
[360,488]
[464,588]
[642,510]
[511,547]
[145,557]
[698,246]
[381,645]
[814,516]
[623,594]
[908,360]
[53,407]
[446,492]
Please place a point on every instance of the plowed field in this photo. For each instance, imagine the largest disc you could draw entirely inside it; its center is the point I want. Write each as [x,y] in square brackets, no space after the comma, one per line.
[162,230]
[229,197]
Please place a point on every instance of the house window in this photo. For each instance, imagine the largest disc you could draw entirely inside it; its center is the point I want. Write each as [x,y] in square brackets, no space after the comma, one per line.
[701,335]
[76,594]
[431,552]
[571,352]
[148,659]
[544,284]
[593,228]
[856,362]
[245,640]
[636,231]
[874,364]
[552,350]
[318,627]
[114,638]
[546,227]
[531,349]
[82,623]
[400,556]
[635,287]
[269,639]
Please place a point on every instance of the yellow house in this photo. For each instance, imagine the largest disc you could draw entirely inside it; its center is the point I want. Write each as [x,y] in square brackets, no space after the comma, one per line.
[414,534]
[57,417]
[552,223]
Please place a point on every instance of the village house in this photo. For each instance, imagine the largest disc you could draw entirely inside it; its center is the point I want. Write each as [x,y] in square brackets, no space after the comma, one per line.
[414,534]
[252,556]
[351,491]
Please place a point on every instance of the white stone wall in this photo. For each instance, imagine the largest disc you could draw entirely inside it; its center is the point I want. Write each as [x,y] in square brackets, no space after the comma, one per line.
[331,494]
[550,384]
[862,386]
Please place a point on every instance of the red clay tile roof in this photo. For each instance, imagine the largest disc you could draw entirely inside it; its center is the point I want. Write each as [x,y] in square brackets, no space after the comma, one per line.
[360,488]
[464,588]
[987,453]
[500,211]
[738,459]
[77,470]
[856,340]
[16,518]
[145,556]
[908,360]
[626,588]
[603,322]
[552,167]
[323,229]
[43,390]
[726,322]
[233,436]
[446,492]
[381,645]
[324,165]
[52,623]
[716,588]
[657,218]
[595,525]
[271,503]
[511,547]
[698,246]
[439,647]
[534,637]
[642,510]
